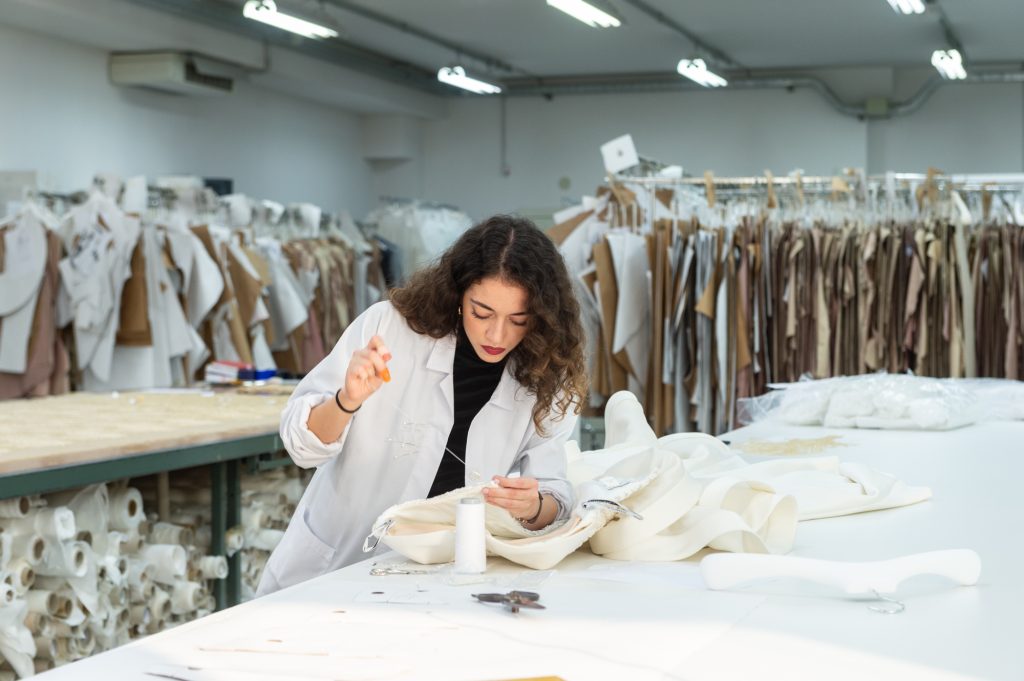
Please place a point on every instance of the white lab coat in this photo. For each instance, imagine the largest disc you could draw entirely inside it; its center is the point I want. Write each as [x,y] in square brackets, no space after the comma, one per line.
[391,449]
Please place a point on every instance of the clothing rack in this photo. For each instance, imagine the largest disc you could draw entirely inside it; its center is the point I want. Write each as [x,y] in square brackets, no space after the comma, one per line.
[978,182]
[404,201]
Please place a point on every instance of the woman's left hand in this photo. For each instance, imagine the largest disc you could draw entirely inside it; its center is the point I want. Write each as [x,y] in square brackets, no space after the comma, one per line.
[517,495]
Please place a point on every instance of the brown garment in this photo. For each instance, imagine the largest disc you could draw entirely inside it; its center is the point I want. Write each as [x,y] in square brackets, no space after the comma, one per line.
[48,363]
[239,338]
[133,328]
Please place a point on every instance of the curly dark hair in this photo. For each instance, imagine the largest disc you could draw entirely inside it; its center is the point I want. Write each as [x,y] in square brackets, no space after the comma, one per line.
[549,361]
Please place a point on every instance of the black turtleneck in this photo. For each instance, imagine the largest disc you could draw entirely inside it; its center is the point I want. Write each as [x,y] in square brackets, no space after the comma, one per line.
[475,381]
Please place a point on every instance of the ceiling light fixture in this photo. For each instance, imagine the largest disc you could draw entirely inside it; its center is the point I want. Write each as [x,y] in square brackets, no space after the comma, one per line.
[907,6]
[585,12]
[456,77]
[265,11]
[949,63]
[697,71]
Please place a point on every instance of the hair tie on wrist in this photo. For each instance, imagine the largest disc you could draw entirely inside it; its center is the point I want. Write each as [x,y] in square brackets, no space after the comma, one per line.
[337,401]
[540,507]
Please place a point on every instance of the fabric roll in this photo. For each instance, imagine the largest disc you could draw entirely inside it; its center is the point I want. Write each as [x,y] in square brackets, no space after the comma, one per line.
[30,547]
[115,569]
[264,539]
[126,509]
[49,603]
[91,506]
[234,540]
[160,605]
[213,567]
[254,518]
[168,560]
[139,572]
[139,614]
[168,533]
[58,629]
[186,597]
[142,592]
[39,624]
[17,507]
[7,594]
[22,575]
[67,559]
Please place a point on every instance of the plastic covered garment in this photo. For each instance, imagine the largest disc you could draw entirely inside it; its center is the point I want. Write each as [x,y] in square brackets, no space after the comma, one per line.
[892,401]
[644,498]
[421,230]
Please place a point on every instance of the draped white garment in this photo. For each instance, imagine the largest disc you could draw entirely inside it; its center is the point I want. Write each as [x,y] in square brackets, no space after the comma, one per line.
[690,489]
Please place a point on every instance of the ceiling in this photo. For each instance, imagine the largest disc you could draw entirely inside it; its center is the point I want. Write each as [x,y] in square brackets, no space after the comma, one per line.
[758,34]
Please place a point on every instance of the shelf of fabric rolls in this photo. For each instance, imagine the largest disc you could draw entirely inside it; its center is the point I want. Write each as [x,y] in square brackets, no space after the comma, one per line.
[184,497]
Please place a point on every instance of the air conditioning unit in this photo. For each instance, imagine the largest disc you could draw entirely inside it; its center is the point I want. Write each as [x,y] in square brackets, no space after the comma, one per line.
[173,72]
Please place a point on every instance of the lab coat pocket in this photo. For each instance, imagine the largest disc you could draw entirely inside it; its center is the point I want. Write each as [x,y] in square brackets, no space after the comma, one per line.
[303,554]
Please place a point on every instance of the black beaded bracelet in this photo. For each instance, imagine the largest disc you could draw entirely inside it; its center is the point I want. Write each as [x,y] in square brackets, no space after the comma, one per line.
[337,401]
[540,507]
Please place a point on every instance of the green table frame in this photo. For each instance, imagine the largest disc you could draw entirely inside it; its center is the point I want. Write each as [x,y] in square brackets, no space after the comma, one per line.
[224,457]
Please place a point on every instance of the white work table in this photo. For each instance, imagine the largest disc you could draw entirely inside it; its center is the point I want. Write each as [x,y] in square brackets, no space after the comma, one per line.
[609,620]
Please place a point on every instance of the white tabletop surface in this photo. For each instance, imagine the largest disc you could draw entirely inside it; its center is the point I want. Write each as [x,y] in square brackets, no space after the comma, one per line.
[609,620]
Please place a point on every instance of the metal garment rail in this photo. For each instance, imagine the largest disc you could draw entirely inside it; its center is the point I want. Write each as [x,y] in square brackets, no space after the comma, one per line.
[224,458]
[973,180]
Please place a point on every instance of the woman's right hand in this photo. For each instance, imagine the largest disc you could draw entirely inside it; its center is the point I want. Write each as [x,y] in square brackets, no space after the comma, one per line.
[367,371]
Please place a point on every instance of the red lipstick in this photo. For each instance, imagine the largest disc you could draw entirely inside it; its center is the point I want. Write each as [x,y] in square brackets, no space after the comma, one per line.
[492,351]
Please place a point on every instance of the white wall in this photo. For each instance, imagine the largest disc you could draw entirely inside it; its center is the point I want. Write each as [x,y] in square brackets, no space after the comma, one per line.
[62,117]
[968,128]
[962,128]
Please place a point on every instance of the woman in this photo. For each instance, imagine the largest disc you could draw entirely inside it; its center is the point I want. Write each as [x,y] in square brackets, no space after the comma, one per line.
[471,372]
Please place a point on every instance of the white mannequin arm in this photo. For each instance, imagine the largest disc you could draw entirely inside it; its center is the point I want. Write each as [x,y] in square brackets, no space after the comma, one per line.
[727,570]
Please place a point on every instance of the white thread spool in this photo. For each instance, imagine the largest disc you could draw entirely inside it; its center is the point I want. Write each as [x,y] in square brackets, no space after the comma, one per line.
[470,537]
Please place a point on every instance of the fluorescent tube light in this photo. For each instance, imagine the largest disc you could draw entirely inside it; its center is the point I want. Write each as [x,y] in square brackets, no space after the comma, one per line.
[697,71]
[456,76]
[949,63]
[907,6]
[585,12]
[266,11]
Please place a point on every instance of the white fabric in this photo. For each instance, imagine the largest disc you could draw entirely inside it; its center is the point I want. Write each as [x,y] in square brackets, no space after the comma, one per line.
[689,489]
[632,314]
[289,305]
[391,449]
[205,283]
[100,239]
[24,266]
[891,401]
[172,337]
